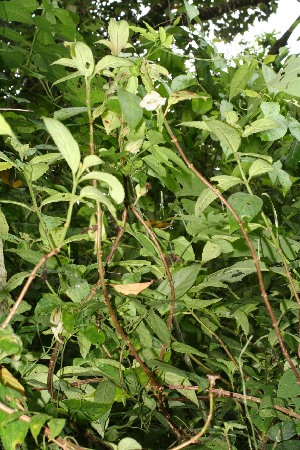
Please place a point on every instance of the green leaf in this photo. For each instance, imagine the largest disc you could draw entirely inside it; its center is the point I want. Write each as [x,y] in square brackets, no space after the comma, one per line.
[13,433]
[203,104]
[110,61]
[177,380]
[4,127]
[116,190]
[288,387]
[10,343]
[184,348]
[182,82]
[183,281]
[35,171]
[56,426]
[191,10]
[180,96]
[245,205]
[159,327]
[226,182]
[66,197]
[129,444]
[118,34]
[105,393]
[65,142]
[91,410]
[83,58]
[242,320]
[241,78]
[210,251]
[235,273]
[92,334]
[287,80]
[228,136]
[294,127]
[65,113]
[94,194]
[259,167]
[36,423]
[204,200]
[131,108]
[282,431]
[183,248]
[259,125]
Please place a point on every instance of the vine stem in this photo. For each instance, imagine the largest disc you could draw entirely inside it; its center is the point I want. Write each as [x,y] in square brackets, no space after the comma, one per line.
[168,273]
[31,277]
[249,244]
[62,443]
[221,393]
[194,439]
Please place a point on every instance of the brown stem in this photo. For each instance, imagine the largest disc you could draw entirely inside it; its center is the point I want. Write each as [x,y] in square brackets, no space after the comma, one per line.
[221,393]
[51,367]
[168,273]
[194,439]
[62,443]
[31,277]
[118,238]
[249,244]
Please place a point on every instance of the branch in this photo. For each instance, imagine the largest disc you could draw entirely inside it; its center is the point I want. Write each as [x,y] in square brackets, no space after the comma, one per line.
[158,9]
[283,40]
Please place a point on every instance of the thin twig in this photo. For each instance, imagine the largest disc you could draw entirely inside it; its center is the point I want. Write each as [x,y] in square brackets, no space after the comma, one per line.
[62,443]
[167,270]
[194,439]
[31,277]
[118,238]
[249,244]
[51,367]
[221,393]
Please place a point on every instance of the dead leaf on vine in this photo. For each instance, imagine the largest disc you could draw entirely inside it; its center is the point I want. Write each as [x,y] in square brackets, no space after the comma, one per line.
[9,380]
[131,288]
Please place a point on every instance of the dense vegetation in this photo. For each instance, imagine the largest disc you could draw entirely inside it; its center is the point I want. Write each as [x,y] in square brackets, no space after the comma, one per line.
[149,236]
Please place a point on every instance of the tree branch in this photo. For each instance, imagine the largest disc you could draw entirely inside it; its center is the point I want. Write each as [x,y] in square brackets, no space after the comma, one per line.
[283,40]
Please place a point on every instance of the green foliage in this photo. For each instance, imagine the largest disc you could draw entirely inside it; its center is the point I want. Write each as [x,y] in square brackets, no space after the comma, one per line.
[150,231]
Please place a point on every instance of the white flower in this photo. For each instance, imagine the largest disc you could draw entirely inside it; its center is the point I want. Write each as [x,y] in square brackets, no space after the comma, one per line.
[152,101]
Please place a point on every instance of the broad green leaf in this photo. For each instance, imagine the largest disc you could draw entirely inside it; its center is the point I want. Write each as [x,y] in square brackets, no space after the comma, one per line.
[183,248]
[59,198]
[10,343]
[4,228]
[287,80]
[196,124]
[259,167]
[105,393]
[129,444]
[245,205]
[131,108]
[228,136]
[15,281]
[177,380]
[294,127]
[92,334]
[65,142]
[241,78]
[84,59]
[5,127]
[181,82]
[65,113]
[191,10]
[226,182]
[236,272]
[204,200]
[36,170]
[94,194]
[287,386]
[242,320]
[210,251]
[118,35]
[56,426]
[110,61]
[90,161]
[33,257]
[91,410]
[116,190]
[183,280]
[282,431]
[259,125]
[179,96]
[281,176]
[13,433]
[202,104]
[36,423]
[159,327]
[184,348]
